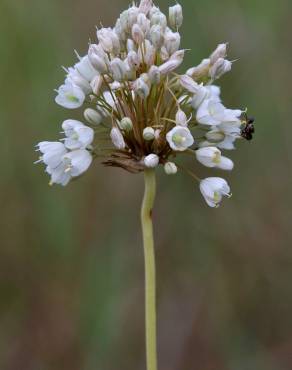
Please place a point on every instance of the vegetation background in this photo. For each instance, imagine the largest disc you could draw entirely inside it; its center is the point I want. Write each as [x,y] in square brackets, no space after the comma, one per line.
[71,262]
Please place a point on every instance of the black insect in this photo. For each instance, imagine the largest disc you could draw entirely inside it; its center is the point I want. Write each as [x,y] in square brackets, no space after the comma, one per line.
[248,130]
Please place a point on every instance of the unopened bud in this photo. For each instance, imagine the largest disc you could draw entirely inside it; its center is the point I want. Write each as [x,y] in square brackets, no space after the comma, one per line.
[148,133]
[220,67]
[154,75]
[170,168]
[137,34]
[96,59]
[133,60]
[171,41]
[143,22]
[175,16]
[92,116]
[96,84]
[215,136]
[220,52]
[200,71]
[117,138]
[141,88]
[126,124]
[151,161]
[189,84]
[156,36]
[181,118]
[118,69]
[159,18]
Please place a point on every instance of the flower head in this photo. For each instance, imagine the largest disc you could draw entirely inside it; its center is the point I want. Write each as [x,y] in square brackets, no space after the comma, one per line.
[140,112]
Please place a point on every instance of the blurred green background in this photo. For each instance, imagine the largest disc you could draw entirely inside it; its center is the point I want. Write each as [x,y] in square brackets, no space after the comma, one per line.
[71,261]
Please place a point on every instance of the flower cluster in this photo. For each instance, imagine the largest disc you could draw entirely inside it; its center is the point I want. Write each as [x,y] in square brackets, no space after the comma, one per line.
[139,112]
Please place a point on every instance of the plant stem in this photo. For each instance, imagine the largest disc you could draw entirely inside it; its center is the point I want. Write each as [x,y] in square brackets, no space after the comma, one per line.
[150,289]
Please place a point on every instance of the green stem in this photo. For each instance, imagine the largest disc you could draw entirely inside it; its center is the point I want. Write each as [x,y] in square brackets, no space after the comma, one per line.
[150,290]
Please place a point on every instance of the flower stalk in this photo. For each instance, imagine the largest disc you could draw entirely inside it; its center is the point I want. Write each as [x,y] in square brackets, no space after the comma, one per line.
[150,279]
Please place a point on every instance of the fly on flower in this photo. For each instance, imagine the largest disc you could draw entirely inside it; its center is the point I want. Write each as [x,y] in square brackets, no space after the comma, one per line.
[139,112]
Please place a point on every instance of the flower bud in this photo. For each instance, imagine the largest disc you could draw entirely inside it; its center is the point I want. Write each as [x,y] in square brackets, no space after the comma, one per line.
[143,23]
[117,138]
[151,161]
[175,16]
[171,41]
[170,168]
[156,36]
[154,75]
[141,88]
[96,59]
[159,18]
[130,45]
[199,71]
[181,118]
[146,53]
[220,52]
[137,34]
[220,67]
[148,133]
[215,136]
[108,40]
[118,69]
[133,60]
[145,6]
[189,84]
[174,62]
[92,116]
[96,84]
[126,124]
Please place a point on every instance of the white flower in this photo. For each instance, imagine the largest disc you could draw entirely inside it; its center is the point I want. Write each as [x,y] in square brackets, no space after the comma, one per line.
[151,161]
[210,92]
[72,164]
[78,136]
[117,138]
[70,96]
[179,138]
[213,113]
[148,133]
[211,157]
[52,151]
[170,168]
[75,78]
[213,189]
[175,16]
[220,67]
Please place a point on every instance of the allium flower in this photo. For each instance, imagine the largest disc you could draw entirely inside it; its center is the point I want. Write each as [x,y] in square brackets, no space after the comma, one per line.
[129,90]
[142,114]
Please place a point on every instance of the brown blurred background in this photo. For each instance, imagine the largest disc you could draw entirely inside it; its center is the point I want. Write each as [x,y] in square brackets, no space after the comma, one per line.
[71,261]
